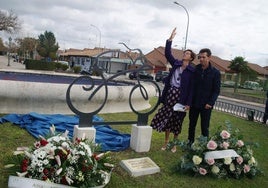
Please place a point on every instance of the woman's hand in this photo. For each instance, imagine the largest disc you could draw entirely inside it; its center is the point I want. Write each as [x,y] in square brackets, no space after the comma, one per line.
[186,107]
[172,34]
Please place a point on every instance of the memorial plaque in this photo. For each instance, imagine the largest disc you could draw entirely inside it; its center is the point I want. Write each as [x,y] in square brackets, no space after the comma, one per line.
[139,166]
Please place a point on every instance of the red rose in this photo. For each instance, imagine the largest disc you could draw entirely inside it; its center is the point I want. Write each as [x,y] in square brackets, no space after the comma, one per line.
[64,181]
[43,142]
[84,169]
[23,168]
[46,171]
[24,165]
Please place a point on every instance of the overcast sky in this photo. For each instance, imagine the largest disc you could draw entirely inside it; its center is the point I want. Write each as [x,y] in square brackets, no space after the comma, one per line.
[229,28]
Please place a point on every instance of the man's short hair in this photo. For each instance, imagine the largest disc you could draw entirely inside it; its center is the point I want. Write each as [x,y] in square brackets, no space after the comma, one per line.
[205,50]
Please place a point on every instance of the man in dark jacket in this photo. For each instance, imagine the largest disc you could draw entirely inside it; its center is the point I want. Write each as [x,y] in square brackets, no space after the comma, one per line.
[207,81]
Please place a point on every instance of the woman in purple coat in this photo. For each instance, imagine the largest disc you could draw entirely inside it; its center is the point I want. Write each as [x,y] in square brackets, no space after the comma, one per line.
[178,89]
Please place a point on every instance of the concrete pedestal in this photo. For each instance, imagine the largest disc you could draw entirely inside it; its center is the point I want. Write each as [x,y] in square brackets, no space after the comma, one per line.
[84,132]
[141,138]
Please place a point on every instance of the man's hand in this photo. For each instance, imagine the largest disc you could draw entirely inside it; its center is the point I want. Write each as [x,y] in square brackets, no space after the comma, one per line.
[208,106]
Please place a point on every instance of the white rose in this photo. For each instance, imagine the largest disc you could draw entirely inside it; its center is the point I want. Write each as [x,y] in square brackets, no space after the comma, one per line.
[227,160]
[251,161]
[232,167]
[215,169]
[197,160]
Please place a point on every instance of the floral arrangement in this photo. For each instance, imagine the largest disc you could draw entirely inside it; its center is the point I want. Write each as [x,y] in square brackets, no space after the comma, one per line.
[58,160]
[240,164]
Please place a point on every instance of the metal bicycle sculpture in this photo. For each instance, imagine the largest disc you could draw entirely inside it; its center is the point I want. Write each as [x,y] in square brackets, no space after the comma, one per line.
[86,119]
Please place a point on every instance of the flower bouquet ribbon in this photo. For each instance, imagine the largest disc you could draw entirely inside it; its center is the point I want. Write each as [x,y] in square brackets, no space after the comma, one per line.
[221,154]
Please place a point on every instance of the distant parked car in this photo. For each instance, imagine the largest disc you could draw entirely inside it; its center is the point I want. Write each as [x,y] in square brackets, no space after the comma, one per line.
[142,75]
[252,85]
[63,62]
[160,75]
[228,84]
[61,65]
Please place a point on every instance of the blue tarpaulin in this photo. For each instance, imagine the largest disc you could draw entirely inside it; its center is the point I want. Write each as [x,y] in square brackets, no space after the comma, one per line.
[39,124]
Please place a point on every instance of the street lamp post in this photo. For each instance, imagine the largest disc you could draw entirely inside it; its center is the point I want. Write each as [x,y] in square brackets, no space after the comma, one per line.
[187,23]
[9,47]
[99,34]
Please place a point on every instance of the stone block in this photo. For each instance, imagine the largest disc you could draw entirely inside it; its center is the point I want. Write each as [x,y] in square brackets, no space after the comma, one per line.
[85,132]
[141,136]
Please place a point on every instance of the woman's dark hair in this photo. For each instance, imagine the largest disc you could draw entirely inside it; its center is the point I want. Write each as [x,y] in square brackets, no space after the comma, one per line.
[193,55]
[205,50]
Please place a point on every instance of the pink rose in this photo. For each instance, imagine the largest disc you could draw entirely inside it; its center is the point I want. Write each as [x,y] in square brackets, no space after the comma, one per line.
[212,145]
[210,161]
[202,171]
[240,143]
[246,168]
[239,160]
[225,135]
[225,145]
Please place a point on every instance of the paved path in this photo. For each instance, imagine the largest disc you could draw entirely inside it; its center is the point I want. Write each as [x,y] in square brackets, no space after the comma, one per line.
[13,65]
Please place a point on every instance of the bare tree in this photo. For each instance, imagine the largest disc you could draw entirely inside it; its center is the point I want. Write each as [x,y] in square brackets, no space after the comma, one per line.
[9,21]
[27,46]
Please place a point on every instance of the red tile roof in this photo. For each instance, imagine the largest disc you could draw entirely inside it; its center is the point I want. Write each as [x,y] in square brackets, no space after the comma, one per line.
[260,70]
[157,58]
[220,64]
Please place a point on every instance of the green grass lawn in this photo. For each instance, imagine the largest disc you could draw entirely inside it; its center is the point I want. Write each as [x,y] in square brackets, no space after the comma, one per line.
[12,136]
